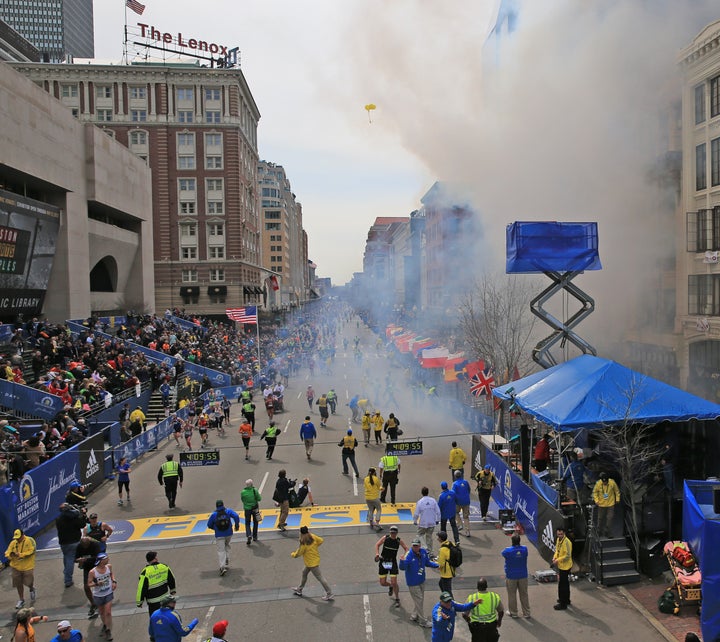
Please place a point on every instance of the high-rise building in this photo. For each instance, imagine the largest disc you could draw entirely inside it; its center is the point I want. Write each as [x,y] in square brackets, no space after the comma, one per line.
[196,128]
[59,29]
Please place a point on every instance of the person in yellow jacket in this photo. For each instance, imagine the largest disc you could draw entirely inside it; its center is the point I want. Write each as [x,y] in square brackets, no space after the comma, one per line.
[308,550]
[457,459]
[21,556]
[486,616]
[378,423]
[373,486]
[366,421]
[562,561]
[605,495]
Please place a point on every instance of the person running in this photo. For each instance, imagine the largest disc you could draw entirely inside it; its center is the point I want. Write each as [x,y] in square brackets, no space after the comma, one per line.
[177,428]
[21,555]
[308,434]
[308,550]
[99,531]
[486,481]
[85,555]
[250,499]
[225,405]
[170,475]
[187,433]
[155,583]
[332,400]
[322,404]
[386,550]
[270,436]
[202,425]
[372,499]
[102,583]
[348,444]
[245,434]
[310,396]
[414,563]
[248,411]
[378,422]
[221,521]
[269,406]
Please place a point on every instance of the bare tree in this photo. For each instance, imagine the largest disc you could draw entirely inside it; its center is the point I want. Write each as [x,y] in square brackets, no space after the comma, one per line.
[497,323]
[636,452]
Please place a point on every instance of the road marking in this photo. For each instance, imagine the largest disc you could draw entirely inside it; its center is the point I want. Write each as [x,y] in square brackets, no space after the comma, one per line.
[205,625]
[287,425]
[262,484]
[355,485]
[368,619]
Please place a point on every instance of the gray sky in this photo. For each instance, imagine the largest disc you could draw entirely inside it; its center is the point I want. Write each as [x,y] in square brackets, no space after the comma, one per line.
[312,66]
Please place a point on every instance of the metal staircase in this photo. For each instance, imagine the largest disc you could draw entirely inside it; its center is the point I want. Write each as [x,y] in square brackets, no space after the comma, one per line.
[612,562]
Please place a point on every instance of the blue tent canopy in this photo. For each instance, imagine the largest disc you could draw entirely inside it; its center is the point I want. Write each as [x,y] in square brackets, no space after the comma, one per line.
[590,392]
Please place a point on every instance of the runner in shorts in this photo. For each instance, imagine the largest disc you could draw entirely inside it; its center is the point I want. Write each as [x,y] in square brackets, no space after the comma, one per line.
[386,550]
[188,434]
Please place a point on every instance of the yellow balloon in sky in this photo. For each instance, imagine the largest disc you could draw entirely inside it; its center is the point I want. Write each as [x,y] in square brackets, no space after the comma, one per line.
[368,108]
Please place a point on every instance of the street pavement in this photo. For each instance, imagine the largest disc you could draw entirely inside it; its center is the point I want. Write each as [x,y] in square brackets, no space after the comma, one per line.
[255,595]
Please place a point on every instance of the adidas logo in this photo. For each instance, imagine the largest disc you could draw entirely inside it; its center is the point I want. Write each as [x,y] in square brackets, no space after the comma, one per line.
[92,465]
[548,536]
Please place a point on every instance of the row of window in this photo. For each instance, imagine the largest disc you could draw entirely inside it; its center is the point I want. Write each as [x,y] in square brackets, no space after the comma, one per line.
[701,165]
[139,92]
[701,100]
[212,116]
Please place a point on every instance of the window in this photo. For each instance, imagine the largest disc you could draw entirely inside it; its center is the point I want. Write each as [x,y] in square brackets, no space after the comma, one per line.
[714,96]
[188,230]
[186,140]
[185,94]
[104,115]
[272,226]
[138,138]
[188,253]
[271,192]
[189,276]
[213,140]
[187,195]
[138,115]
[274,215]
[212,95]
[715,162]
[213,162]
[216,229]
[187,207]
[700,168]
[69,91]
[212,115]
[699,104]
[103,91]
[217,274]
[185,115]
[138,93]
[704,294]
[75,112]
[215,207]
[186,161]
[216,252]
[187,184]
[278,268]
[704,230]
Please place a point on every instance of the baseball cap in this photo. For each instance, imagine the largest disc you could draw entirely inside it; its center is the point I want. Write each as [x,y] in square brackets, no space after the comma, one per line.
[168,599]
[416,542]
[219,503]
[394,528]
[487,466]
[17,534]
[64,624]
[219,628]
[443,484]
[150,556]
[349,431]
[445,597]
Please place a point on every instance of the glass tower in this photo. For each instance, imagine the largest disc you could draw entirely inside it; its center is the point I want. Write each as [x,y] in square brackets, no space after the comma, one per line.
[57,28]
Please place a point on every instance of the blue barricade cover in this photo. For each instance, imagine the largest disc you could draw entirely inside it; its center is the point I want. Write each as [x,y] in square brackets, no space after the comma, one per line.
[533,247]
[33,401]
[547,492]
[185,324]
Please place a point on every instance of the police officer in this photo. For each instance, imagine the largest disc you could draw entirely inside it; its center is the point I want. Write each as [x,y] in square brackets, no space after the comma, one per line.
[349,444]
[486,616]
[170,475]
[156,582]
[270,436]
[390,466]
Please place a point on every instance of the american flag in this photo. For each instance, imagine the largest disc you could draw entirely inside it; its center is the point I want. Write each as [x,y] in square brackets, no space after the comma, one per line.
[243,315]
[482,383]
[135,6]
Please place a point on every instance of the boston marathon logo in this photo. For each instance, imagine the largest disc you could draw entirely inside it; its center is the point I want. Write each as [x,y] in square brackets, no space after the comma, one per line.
[507,488]
[28,508]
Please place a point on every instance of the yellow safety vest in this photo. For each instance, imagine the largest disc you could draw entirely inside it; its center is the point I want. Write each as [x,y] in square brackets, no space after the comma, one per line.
[389,462]
[486,611]
[170,469]
[349,442]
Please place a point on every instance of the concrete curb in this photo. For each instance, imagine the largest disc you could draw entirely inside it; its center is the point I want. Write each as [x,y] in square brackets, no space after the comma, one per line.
[652,620]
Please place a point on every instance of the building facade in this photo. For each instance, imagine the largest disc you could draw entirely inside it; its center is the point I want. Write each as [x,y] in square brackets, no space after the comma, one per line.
[59,29]
[196,128]
[96,256]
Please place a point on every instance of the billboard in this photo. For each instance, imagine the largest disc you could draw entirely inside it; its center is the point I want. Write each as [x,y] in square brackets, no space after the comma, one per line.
[28,237]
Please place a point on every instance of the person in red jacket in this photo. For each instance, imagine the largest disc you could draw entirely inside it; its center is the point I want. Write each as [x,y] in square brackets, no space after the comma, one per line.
[542,454]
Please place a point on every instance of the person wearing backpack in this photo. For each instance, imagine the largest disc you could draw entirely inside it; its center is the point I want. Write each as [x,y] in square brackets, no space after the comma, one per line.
[449,558]
[221,521]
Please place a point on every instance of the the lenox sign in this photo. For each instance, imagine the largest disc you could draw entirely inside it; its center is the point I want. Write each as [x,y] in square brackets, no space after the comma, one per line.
[150,32]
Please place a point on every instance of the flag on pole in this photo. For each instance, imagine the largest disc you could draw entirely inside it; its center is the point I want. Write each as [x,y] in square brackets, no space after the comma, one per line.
[274,283]
[135,6]
[247,314]
[482,383]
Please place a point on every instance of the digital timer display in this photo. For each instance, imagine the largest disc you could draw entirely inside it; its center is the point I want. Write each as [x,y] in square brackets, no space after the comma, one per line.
[200,458]
[400,448]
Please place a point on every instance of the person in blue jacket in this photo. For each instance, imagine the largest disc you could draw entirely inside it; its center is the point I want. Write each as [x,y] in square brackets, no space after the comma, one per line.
[221,521]
[414,563]
[448,508]
[166,624]
[443,617]
[461,488]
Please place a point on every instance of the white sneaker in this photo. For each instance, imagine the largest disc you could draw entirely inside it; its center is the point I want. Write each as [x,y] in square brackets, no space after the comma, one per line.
[20,604]
[297,590]
[120,502]
[329,597]
[33,595]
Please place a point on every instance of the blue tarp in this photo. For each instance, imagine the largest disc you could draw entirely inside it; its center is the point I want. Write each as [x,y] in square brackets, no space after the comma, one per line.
[533,247]
[590,392]
[701,529]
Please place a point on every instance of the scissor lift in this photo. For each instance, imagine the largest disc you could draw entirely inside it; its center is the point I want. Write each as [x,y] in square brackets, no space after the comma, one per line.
[560,251]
